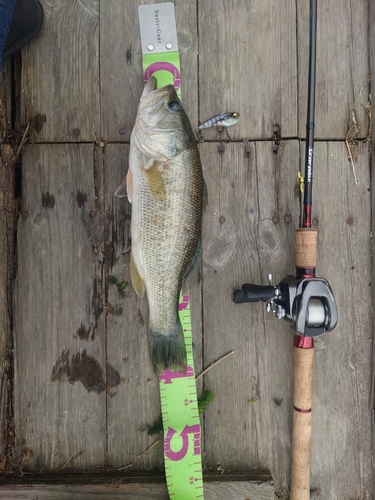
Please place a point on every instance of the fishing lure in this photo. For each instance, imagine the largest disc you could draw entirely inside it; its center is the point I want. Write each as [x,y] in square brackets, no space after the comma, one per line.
[224,119]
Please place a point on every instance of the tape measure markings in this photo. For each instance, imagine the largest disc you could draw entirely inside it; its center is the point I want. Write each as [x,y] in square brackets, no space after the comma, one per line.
[178,397]
[182,431]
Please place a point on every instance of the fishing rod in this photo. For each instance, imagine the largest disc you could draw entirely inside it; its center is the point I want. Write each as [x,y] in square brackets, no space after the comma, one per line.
[304,301]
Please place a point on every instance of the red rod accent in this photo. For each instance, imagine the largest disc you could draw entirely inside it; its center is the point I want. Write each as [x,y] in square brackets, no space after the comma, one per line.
[302,411]
[307,216]
[303,273]
[303,342]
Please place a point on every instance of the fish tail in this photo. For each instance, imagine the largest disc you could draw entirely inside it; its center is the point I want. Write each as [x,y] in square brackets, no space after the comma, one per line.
[168,351]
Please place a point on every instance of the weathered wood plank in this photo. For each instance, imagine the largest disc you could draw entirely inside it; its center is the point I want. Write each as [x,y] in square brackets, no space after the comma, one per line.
[372,75]
[62,296]
[7,208]
[7,220]
[342,431]
[127,341]
[108,475]
[371,28]
[247,63]
[60,74]
[246,194]
[121,78]
[248,425]
[121,64]
[213,491]
[342,69]
[60,352]
[5,98]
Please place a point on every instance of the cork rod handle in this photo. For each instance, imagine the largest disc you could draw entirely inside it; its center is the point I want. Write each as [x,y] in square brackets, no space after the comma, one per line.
[303,370]
[306,240]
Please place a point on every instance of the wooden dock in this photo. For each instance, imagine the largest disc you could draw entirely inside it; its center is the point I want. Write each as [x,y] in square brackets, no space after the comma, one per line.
[76,381]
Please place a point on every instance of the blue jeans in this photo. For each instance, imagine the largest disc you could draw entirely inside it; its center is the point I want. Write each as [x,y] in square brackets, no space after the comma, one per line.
[6,15]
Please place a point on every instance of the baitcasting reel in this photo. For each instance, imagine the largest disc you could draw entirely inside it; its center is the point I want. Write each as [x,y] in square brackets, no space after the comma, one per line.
[308,305]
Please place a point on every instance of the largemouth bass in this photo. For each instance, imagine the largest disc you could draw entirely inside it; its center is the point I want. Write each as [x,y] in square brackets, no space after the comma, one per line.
[165,186]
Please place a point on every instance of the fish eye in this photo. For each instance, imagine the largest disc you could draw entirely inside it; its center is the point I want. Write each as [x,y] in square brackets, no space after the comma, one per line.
[234,115]
[174,105]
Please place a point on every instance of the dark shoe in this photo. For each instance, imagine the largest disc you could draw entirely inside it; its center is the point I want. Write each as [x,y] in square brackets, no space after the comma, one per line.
[27,21]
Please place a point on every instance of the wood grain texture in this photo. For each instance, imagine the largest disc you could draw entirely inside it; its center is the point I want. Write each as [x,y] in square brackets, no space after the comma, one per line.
[95,397]
[249,423]
[342,69]
[5,98]
[247,63]
[7,209]
[342,397]
[7,221]
[121,64]
[108,476]
[372,160]
[244,249]
[60,368]
[60,74]
[371,28]
[213,491]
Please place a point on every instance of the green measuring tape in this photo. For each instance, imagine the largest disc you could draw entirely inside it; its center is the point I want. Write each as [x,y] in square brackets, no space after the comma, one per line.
[182,430]
[178,394]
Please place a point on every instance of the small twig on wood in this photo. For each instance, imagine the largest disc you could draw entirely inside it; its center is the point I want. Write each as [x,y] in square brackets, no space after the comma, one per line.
[351,140]
[26,457]
[351,143]
[8,467]
[213,364]
[73,457]
[368,111]
[23,140]
[351,161]
[149,448]
[367,82]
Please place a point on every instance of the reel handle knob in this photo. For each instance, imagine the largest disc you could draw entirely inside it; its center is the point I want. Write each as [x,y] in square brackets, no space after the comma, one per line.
[254,293]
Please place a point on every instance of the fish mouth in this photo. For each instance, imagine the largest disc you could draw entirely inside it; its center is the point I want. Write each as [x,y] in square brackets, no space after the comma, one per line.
[151,87]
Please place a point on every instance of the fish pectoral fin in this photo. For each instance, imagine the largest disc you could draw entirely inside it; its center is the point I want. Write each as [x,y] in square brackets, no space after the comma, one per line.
[155,180]
[129,185]
[126,187]
[136,279]
[122,191]
[192,275]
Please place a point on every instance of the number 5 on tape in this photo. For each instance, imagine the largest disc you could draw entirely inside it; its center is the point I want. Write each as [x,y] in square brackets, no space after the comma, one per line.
[182,430]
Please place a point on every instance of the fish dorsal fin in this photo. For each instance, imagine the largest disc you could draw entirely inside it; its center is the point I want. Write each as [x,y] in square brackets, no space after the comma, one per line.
[136,279]
[155,180]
